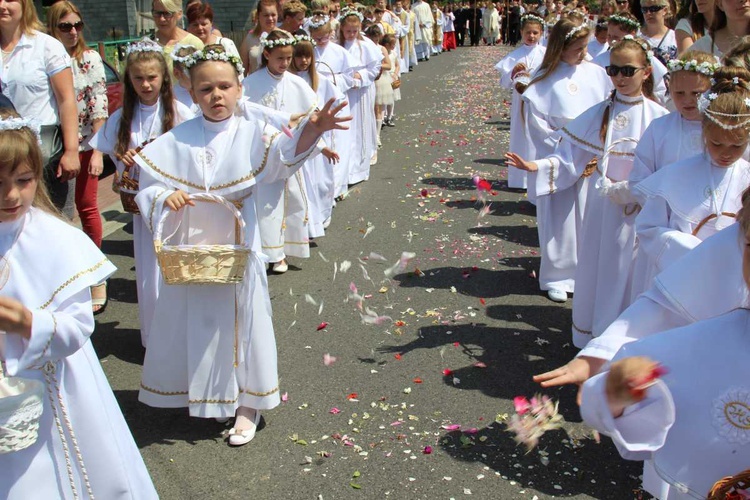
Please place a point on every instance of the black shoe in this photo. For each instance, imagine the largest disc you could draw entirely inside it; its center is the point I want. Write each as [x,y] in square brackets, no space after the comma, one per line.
[390,123]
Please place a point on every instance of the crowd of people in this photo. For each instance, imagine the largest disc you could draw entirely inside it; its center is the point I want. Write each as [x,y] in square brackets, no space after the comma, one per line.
[630,135]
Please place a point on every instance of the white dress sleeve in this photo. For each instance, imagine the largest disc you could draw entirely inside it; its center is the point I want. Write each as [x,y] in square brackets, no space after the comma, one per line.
[663,243]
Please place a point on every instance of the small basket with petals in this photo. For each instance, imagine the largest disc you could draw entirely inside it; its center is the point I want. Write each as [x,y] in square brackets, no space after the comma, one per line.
[735,487]
[21,404]
[128,188]
[219,264]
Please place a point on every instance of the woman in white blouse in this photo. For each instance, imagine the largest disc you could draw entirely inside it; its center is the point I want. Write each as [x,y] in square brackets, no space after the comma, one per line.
[64,21]
[731,23]
[37,78]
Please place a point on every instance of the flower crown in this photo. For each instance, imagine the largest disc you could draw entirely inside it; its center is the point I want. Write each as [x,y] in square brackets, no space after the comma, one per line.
[279,42]
[630,23]
[704,102]
[304,38]
[644,45]
[575,30]
[319,23]
[532,18]
[351,12]
[178,47]
[210,53]
[21,123]
[704,68]
[145,45]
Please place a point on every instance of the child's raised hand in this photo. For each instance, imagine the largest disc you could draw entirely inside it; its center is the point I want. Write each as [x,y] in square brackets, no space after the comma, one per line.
[14,317]
[128,157]
[628,380]
[177,200]
[333,156]
[516,161]
[325,119]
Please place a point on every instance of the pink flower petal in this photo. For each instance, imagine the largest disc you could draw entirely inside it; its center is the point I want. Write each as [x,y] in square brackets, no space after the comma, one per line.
[285,397]
[521,404]
[427,450]
[334,411]
[451,427]
[328,360]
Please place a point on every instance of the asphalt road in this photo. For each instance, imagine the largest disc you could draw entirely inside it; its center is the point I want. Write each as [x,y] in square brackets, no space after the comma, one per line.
[467,303]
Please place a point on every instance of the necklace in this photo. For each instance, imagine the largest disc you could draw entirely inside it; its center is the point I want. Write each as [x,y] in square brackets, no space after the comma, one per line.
[4,262]
[152,129]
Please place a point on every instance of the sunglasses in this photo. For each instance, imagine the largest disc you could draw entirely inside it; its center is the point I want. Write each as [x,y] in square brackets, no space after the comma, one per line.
[652,9]
[68,27]
[162,13]
[627,71]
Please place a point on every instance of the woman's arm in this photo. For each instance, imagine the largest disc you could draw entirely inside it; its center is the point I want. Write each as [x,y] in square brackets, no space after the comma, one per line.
[99,109]
[62,86]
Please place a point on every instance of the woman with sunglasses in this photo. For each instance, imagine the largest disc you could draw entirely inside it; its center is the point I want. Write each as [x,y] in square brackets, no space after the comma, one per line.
[166,15]
[655,30]
[36,77]
[65,23]
[731,22]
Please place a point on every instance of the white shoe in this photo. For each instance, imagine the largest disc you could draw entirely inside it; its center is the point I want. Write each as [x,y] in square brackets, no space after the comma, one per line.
[238,438]
[326,223]
[280,267]
[557,295]
[374,159]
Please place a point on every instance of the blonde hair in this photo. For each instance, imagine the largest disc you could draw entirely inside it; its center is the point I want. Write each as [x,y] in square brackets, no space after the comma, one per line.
[739,55]
[57,12]
[29,19]
[293,8]
[21,147]
[557,43]
[172,6]
[729,107]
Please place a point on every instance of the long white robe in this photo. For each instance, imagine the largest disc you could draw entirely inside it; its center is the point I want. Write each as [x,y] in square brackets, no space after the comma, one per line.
[335,63]
[319,173]
[686,202]
[145,127]
[423,39]
[692,428]
[368,60]
[548,106]
[213,348]
[606,242]
[282,206]
[531,57]
[54,284]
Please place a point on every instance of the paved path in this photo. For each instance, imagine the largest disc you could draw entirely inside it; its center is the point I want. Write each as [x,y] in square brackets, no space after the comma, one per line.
[473,308]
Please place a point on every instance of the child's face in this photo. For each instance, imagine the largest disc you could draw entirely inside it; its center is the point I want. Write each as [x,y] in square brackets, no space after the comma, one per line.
[685,88]
[629,85]
[724,146]
[576,52]
[391,46]
[321,37]
[279,58]
[302,62]
[351,30]
[147,79]
[531,33]
[17,191]
[216,89]
[615,33]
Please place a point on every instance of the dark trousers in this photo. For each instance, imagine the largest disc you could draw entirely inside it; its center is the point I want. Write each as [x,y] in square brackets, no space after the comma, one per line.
[460,32]
[474,35]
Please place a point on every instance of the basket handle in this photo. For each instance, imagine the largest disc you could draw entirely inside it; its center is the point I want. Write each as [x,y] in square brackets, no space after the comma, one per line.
[208,198]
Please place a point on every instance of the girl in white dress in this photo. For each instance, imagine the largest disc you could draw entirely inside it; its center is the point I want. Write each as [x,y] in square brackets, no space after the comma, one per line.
[84,446]
[318,172]
[690,200]
[389,42]
[367,60]
[215,351]
[600,143]
[515,74]
[335,63]
[383,89]
[148,110]
[282,206]
[564,86]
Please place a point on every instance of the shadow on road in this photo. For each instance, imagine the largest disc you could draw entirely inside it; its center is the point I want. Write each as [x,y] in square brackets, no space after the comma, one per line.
[122,343]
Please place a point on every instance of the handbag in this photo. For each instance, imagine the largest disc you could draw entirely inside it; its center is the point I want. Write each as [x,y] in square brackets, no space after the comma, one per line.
[21,404]
[396,84]
[52,145]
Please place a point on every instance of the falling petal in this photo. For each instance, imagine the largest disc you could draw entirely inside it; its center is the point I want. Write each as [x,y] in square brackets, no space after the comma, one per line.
[328,360]
[334,411]
[292,325]
[344,267]
[310,300]
[285,397]
[322,326]
[368,231]
[451,427]
[323,257]
[427,450]
[320,309]
[335,270]
[376,256]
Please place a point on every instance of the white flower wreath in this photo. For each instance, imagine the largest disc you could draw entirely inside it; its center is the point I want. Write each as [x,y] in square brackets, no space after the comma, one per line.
[145,45]
[209,54]
[304,38]
[279,42]
[575,30]
[704,68]
[181,59]
[531,17]
[319,23]
[631,23]
[20,123]
[351,12]
[644,45]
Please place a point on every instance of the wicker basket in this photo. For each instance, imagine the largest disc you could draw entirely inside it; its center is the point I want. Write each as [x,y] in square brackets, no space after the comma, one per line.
[128,188]
[21,404]
[203,264]
[728,488]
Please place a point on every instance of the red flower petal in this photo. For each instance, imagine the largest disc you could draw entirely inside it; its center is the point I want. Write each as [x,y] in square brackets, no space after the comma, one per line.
[397,356]
[447,372]
[322,326]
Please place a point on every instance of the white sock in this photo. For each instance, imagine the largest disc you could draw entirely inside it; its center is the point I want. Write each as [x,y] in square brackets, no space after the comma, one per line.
[380,126]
